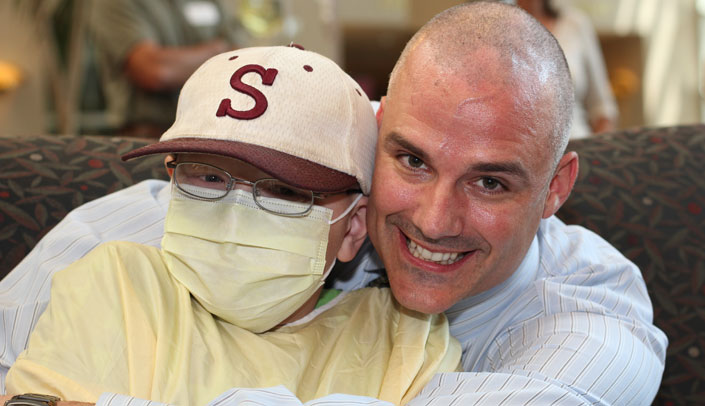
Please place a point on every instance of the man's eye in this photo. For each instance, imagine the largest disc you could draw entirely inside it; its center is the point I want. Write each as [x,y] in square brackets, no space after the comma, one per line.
[490,184]
[412,161]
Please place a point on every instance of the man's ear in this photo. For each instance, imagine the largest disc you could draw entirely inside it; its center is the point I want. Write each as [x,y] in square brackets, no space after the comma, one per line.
[355,233]
[380,111]
[170,171]
[561,184]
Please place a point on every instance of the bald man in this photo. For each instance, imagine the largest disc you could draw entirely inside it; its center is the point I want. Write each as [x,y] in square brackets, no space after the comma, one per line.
[470,169]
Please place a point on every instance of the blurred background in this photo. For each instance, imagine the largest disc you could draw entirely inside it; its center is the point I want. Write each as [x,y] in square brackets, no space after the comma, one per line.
[68,66]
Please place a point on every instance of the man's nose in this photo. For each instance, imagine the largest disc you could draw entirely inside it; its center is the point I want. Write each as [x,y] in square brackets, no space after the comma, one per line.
[439,212]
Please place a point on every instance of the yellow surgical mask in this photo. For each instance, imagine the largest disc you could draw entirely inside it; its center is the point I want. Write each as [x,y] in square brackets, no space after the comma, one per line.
[249,267]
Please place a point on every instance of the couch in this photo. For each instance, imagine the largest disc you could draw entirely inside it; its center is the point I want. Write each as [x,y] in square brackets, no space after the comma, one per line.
[643,190]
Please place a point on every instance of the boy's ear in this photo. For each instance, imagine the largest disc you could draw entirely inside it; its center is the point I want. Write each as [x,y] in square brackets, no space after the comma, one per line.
[170,171]
[380,111]
[355,233]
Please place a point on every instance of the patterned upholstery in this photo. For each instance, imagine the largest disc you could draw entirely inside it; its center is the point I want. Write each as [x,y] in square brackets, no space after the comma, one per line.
[42,178]
[643,190]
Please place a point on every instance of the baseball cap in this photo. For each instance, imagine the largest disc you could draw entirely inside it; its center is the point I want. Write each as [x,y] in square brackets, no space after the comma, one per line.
[291,113]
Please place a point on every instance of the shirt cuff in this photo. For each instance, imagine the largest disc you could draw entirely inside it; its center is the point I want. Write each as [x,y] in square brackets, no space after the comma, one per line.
[114,399]
[281,396]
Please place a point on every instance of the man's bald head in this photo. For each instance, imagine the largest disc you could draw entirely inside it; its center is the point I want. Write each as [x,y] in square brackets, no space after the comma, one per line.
[507,49]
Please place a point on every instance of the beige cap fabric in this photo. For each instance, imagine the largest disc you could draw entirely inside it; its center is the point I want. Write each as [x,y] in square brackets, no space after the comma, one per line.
[291,113]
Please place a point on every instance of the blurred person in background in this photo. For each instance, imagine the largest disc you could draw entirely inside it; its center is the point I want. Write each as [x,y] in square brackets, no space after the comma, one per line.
[148,48]
[595,110]
[23,70]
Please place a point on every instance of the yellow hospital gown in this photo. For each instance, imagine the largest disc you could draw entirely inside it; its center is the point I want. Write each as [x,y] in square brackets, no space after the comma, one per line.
[119,322]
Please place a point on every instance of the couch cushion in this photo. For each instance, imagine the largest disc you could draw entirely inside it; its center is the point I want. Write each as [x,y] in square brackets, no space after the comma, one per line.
[43,177]
[644,191]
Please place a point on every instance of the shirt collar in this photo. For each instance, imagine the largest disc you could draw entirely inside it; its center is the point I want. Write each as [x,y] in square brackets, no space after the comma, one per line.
[517,282]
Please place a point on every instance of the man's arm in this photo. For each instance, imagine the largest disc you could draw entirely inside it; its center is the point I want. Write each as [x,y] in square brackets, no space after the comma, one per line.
[600,104]
[133,36]
[605,364]
[156,68]
[274,396]
[132,214]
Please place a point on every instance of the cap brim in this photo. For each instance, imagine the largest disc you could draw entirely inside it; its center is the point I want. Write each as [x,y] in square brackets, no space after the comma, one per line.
[295,171]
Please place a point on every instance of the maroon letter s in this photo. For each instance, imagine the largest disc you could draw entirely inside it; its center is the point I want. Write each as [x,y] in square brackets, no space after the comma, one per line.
[267,75]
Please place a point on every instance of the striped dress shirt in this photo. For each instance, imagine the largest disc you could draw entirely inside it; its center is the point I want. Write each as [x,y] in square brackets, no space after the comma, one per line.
[571,326]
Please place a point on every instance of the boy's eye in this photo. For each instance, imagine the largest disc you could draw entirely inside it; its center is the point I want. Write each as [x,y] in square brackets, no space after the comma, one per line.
[213,178]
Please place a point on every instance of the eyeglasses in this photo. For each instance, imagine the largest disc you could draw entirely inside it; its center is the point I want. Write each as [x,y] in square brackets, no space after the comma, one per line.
[206,182]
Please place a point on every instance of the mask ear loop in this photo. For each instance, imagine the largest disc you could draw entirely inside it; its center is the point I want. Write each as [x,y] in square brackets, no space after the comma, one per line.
[327,271]
[347,211]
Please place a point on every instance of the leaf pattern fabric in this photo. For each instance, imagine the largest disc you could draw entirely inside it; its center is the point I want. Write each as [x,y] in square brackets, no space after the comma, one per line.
[643,190]
[42,178]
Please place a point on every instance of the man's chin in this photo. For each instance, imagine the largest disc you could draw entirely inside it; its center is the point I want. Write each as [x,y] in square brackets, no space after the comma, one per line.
[424,300]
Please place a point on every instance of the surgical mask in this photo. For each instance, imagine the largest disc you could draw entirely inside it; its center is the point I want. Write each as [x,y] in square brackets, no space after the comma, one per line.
[249,267]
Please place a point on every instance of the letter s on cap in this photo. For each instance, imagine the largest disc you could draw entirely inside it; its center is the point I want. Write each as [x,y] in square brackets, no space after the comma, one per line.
[267,75]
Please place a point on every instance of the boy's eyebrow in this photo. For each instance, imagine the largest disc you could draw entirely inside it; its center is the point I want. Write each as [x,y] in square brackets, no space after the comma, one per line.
[395,139]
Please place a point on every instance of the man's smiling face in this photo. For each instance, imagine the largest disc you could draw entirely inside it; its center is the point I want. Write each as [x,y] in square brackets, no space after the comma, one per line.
[461,179]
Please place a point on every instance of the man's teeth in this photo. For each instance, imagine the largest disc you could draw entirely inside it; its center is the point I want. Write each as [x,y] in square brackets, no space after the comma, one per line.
[443,258]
